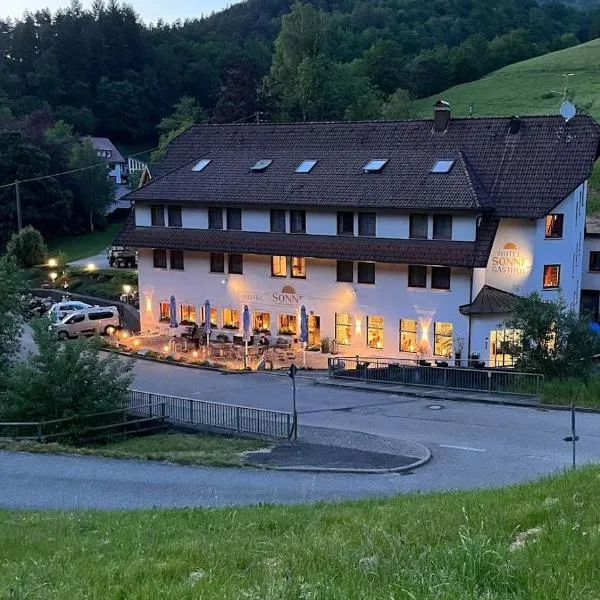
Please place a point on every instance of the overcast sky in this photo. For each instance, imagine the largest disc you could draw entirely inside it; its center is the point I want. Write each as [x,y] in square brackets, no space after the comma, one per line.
[150,10]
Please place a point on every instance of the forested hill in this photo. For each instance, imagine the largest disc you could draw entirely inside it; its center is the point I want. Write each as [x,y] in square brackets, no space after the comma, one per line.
[105,72]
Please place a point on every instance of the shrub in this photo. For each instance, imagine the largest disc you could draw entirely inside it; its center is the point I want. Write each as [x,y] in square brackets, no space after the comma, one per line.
[27,247]
[65,380]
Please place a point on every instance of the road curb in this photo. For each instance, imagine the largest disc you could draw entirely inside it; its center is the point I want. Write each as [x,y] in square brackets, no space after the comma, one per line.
[440,396]
[308,469]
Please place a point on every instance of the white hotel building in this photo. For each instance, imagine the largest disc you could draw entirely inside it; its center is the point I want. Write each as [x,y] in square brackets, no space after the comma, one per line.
[402,239]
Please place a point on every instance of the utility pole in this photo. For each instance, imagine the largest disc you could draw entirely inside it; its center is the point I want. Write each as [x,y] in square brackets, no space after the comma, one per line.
[18,195]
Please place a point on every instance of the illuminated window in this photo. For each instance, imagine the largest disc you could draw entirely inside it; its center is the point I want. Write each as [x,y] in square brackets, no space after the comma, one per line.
[287,325]
[261,322]
[187,314]
[554,226]
[408,335]
[231,318]
[375,332]
[504,346]
[298,267]
[165,311]
[213,317]
[343,329]
[442,339]
[279,266]
[551,276]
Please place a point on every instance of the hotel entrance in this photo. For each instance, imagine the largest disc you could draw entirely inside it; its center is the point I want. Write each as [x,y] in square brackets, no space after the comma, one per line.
[314,330]
[502,341]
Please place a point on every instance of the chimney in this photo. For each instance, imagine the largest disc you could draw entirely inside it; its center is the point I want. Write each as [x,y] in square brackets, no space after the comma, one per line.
[514,125]
[441,116]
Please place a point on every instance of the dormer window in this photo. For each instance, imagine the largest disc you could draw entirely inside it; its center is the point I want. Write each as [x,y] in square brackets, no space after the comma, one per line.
[442,166]
[375,165]
[261,165]
[306,166]
[201,165]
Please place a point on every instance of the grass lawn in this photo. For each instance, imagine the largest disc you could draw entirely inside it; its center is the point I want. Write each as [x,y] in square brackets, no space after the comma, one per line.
[533,542]
[561,392]
[81,246]
[525,88]
[186,449]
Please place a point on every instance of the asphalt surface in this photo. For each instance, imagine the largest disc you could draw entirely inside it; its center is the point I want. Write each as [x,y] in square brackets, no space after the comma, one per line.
[473,445]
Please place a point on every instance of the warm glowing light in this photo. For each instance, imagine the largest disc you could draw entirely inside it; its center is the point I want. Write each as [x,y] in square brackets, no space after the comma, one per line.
[53,276]
[379,344]
[166,348]
[148,304]
[52,263]
[127,288]
[124,334]
[90,267]
[136,342]
[195,354]
[358,326]
[110,330]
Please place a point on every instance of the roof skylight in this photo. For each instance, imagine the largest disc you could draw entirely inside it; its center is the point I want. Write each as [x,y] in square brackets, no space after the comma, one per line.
[261,165]
[201,165]
[306,166]
[375,165]
[442,166]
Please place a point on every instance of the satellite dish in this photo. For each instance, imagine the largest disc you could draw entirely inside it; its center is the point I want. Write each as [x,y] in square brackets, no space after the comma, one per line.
[567,110]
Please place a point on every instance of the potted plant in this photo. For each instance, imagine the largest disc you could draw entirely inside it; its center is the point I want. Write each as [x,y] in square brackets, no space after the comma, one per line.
[325,345]
[459,344]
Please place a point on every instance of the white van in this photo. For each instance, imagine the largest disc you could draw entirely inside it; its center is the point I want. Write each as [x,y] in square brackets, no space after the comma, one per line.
[61,309]
[89,321]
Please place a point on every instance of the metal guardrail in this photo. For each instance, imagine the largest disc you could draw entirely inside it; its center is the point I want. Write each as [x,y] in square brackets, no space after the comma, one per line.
[241,419]
[481,380]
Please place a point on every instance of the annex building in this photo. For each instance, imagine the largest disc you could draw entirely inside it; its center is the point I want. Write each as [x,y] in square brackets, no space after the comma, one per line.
[401,238]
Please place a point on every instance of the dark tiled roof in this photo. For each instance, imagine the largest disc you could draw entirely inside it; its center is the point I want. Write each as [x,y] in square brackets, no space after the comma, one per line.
[100,143]
[420,252]
[519,175]
[489,301]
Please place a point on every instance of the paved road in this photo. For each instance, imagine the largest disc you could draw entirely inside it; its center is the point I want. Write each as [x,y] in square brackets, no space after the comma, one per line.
[473,446]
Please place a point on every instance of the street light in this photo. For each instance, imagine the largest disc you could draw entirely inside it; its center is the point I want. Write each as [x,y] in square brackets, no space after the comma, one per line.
[90,267]
[53,276]
[52,263]
[127,289]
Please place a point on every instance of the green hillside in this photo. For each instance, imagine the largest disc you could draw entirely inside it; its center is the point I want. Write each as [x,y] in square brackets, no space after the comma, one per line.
[526,87]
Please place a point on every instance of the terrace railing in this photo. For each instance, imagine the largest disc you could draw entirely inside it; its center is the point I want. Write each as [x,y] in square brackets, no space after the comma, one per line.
[493,380]
[228,417]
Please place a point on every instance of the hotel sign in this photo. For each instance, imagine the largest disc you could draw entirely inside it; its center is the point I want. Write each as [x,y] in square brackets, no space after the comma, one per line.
[510,259]
[279,298]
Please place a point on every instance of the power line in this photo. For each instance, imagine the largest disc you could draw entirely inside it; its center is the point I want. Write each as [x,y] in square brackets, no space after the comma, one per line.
[94,166]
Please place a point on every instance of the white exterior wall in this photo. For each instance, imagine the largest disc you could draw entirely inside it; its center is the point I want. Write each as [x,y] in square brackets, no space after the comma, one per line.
[319,292]
[591,279]
[521,250]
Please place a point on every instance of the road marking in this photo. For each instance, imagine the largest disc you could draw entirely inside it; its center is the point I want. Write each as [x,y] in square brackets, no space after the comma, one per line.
[462,448]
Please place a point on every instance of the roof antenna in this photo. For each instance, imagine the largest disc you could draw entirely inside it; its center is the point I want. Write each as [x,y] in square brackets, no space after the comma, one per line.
[567,108]
[471,110]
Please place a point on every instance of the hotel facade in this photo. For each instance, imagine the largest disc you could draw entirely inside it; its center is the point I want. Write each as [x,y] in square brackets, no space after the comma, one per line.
[402,239]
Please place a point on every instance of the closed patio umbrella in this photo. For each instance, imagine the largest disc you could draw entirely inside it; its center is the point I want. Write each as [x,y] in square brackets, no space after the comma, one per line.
[207,323]
[246,333]
[173,314]
[303,332]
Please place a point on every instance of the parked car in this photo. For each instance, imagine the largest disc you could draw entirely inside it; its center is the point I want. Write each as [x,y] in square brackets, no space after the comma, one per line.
[60,310]
[89,321]
[120,256]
